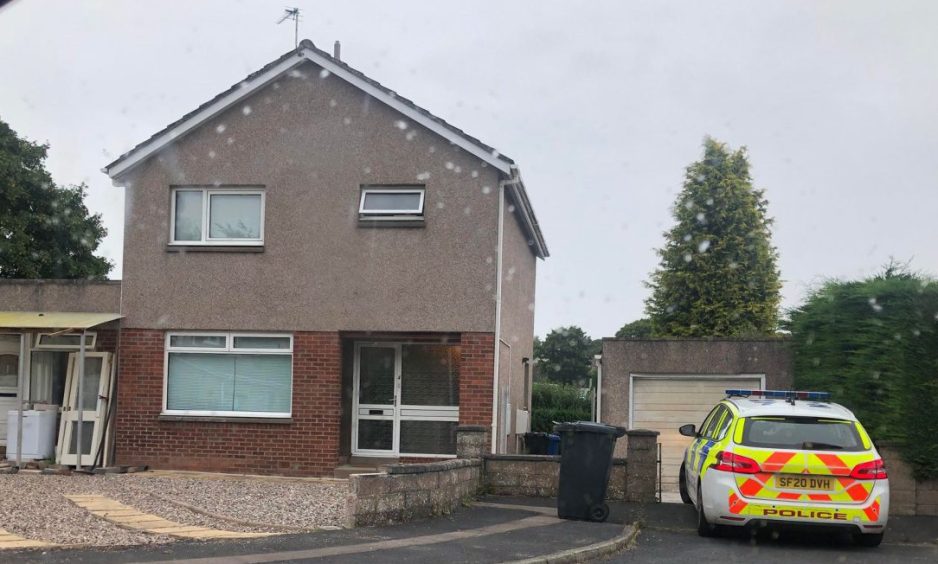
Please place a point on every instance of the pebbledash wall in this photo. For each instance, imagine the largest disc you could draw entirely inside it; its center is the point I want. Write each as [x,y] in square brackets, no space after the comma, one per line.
[307,444]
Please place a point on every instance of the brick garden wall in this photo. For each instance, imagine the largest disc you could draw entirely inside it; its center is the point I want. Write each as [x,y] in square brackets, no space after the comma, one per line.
[307,445]
[907,496]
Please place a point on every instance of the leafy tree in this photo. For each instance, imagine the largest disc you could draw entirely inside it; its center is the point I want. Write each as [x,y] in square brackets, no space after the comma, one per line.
[565,356]
[874,345]
[717,274]
[45,230]
[638,329]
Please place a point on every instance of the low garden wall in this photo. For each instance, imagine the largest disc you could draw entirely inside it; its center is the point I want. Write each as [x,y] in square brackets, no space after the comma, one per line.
[405,492]
[907,496]
[633,478]
[533,475]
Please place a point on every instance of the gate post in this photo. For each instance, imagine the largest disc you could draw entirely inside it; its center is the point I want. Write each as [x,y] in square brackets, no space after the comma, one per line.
[641,469]
[470,441]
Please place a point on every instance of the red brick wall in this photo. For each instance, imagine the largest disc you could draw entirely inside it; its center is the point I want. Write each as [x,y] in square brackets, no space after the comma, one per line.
[107,338]
[307,446]
[475,378]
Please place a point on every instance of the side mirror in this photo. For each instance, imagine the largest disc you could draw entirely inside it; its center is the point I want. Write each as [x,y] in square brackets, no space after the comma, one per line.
[688,430]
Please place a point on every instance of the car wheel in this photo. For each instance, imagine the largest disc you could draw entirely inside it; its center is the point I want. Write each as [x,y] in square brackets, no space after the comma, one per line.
[704,528]
[682,485]
[868,540]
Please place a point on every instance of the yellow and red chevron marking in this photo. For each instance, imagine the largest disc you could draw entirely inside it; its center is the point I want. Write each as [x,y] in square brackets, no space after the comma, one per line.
[778,461]
[835,465]
[762,486]
[872,512]
[736,504]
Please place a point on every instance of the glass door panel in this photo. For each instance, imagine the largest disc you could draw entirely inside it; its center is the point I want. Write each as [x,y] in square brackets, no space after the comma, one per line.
[374,412]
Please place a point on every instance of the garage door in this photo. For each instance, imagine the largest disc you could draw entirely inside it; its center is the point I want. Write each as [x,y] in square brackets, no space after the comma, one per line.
[664,404]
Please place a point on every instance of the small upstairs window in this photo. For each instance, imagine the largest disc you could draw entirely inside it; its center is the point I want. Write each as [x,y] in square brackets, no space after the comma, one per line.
[210,216]
[391,202]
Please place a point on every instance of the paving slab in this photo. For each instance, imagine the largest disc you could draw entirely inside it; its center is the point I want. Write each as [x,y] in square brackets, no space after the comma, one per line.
[9,541]
[131,518]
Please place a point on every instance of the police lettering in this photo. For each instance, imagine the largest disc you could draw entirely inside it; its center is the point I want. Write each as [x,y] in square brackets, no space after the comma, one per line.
[804,514]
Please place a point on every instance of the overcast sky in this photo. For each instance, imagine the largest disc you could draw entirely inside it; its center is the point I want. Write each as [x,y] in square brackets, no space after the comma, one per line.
[602,104]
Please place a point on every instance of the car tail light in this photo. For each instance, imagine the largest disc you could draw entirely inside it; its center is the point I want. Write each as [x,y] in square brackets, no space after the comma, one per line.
[729,462]
[872,470]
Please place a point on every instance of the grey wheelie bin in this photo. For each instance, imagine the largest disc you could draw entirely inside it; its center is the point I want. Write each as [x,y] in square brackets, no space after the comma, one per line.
[585,464]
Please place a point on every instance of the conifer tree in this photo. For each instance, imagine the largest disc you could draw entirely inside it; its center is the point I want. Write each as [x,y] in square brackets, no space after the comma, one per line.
[717,274]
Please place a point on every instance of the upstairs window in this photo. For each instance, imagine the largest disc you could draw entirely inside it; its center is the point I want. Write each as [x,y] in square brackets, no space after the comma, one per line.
[391,202]
[210,216]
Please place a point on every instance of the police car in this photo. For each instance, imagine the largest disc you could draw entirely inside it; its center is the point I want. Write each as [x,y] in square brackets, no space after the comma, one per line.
[784,456]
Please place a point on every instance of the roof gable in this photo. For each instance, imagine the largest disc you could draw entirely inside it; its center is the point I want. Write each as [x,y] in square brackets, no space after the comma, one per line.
[306,51]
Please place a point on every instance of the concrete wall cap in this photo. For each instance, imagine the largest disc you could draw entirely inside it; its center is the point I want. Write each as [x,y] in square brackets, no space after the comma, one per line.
[642,433]
[471,428]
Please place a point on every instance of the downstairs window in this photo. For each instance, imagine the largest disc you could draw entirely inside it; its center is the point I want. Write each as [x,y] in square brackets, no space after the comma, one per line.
[228,374]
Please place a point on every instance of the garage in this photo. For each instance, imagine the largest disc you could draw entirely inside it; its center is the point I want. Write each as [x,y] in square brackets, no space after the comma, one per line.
[665,402]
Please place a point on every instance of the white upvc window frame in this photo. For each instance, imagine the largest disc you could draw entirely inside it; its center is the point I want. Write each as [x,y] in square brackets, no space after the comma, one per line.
[91,340]
[207,193]
[392,214]
[228,349]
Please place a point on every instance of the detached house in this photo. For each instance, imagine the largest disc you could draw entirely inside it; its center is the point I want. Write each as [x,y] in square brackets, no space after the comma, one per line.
[318,272]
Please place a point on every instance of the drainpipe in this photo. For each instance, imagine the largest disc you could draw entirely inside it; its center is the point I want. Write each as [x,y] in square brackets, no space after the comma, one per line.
[502,186]
[598,359]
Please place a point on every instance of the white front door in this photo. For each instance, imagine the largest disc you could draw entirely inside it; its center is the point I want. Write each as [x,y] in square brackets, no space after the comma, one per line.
[92,405]
[375,405]
[405,399]
[9,379]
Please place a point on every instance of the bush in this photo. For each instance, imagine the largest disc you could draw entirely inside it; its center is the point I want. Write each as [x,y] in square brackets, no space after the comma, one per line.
[874,345]
[557,402]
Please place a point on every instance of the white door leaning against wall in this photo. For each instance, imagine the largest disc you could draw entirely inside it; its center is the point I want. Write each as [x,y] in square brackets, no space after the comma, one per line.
[9,379]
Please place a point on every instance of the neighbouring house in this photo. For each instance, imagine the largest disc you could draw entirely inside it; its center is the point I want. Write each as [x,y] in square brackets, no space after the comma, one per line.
[661,384]
[319,273]
[41,328]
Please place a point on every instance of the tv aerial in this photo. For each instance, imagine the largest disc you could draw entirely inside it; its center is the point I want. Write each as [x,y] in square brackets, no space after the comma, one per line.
[292,14]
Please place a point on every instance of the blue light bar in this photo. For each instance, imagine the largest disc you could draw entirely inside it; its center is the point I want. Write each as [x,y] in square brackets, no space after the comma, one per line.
[780,394]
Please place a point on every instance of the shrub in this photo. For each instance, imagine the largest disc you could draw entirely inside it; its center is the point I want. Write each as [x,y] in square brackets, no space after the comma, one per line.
[874,345]
[556,402]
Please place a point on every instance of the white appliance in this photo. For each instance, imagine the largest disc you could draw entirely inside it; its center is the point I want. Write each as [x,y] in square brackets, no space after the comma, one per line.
[39,434]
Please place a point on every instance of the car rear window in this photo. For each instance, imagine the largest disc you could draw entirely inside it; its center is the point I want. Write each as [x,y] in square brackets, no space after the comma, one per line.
[801,433]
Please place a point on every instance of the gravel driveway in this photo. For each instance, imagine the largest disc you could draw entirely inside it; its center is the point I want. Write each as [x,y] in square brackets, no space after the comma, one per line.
[33,505]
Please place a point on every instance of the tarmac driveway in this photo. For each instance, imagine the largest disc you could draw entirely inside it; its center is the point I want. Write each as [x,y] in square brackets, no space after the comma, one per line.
[668,534]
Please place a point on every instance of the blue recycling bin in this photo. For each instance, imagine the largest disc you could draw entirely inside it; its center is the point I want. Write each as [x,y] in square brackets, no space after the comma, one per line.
[553,444]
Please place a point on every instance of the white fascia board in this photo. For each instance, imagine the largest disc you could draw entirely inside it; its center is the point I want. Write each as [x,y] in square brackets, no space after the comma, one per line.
[408,111]
[140,154]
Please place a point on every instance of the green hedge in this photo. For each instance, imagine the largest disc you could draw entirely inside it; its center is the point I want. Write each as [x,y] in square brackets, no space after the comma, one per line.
[556,402]
[874,345]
